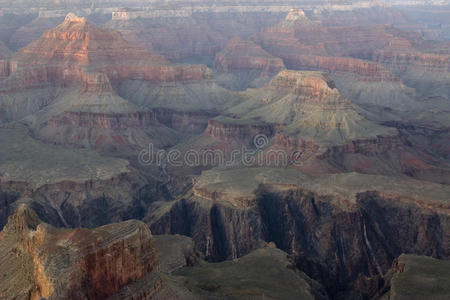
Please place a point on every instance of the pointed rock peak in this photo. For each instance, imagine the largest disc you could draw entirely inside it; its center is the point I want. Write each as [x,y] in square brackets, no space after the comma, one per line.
[296,14]
[72,23]
[72,18]
[309,83]
[296,17]
[23,219]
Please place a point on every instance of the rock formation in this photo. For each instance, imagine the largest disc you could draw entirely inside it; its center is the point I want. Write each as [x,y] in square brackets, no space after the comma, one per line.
[311,150]
[319,221]
[96,117]
[416,277]
[317,111]
[407,66]
[79,263]
[64,51]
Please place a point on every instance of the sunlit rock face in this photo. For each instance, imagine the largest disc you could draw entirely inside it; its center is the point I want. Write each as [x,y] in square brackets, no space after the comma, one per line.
[62,54]
[79,263]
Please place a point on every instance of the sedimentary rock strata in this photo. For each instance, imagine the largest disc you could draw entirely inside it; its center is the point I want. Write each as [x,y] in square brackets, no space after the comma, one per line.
[314,219]
[79,263]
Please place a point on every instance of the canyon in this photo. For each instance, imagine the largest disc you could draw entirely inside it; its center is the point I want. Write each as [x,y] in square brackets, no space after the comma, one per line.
[237,149]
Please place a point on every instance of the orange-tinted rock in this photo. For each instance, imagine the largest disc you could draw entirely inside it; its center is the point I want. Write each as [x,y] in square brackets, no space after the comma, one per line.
[60,56]
[319,87]
[80,263]
[240,54]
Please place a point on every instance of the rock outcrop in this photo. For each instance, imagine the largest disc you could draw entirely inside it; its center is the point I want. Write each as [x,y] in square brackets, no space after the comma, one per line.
[307,105]
[62,53]
[344,230]
[418,277]
[79,263]
[69,187]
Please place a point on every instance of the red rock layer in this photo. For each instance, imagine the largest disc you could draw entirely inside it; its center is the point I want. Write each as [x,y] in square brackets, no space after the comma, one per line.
[61,55]
[240,54]
[368,71]
[318,87]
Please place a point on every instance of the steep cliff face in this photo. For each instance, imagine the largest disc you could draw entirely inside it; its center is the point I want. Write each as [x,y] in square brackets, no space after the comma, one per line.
[70,187]
[417,277]
[89,204]
[80,263]
[106,131]
[341,231]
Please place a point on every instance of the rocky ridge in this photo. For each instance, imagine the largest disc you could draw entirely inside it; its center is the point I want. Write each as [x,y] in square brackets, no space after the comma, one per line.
[314,219]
